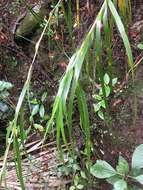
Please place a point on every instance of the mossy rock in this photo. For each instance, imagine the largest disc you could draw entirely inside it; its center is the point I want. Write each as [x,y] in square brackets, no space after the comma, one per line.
[31,21]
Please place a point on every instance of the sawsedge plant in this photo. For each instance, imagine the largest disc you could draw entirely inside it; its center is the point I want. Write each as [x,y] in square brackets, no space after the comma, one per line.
[70,87]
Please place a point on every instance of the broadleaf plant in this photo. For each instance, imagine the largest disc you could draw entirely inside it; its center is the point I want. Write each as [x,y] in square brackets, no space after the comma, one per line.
[121,177]
[137,159]
[4,106]
[100,104]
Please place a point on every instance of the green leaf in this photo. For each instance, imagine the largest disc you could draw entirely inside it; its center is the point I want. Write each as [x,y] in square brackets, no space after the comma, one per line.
[72,188]
[114,81]
[18,162]
[103,103]
[76,167]
[34,101]
[97,97]
[4,94]
[140,46]
[3,107]
[139,179]
[100,114]
[44,96]
[106,79]
[122,167]
[113,179]
[137,158]
[102,170]
[123,34]
[39,127]
[76,180]
[107,90]
[84,115]
[100,92]
[42,111]
[120,185]
[83,175]
[80,186]
[35,110]
[97,107]
[5,85]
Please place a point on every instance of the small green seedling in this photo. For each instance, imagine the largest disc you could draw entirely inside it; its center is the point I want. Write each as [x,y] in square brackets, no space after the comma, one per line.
[38,109]
[100,105]
[76,184]
[70,167]
[4,106]
[122,178]
[140,46]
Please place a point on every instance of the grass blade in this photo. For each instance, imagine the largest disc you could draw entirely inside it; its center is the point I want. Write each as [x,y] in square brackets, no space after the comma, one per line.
[18,159]
[84,116]
[123,35]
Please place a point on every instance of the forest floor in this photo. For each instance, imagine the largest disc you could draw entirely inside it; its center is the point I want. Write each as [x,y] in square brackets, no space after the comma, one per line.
[126,107]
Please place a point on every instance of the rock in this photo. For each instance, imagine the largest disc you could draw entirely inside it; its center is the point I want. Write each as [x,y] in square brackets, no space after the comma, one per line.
[30,21]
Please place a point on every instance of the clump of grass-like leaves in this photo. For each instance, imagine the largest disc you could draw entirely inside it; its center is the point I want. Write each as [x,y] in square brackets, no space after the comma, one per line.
[70,88]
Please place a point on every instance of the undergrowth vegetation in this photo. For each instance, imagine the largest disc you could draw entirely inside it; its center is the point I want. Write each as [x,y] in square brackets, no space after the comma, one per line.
[92,62]
[122,177]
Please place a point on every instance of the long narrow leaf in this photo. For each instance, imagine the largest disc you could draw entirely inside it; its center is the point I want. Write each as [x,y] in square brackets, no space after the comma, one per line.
[84,115]
[18,160]
[123,35]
